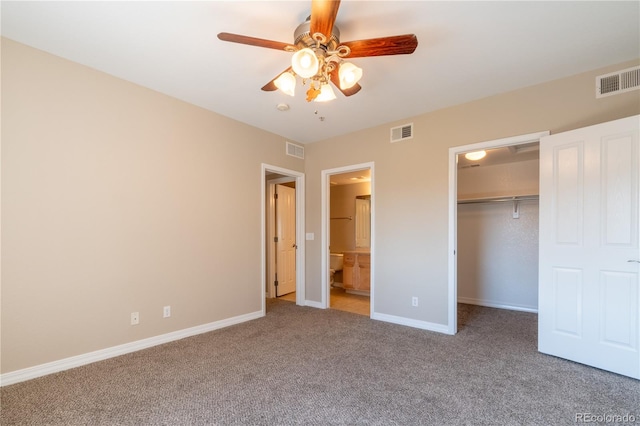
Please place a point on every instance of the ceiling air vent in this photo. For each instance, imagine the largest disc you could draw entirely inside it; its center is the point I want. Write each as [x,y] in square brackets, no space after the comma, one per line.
[401,133]
[295,150]
[618,82]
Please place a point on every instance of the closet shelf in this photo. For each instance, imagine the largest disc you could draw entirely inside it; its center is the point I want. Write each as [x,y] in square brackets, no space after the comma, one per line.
[498,199]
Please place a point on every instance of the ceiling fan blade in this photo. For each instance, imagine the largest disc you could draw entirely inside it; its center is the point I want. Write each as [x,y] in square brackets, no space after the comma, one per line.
[394,45]
[323,16]
[252,41]
[271,86]
[335,79]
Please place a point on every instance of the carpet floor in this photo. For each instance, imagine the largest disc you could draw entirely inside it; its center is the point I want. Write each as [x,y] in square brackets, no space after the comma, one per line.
[305,366]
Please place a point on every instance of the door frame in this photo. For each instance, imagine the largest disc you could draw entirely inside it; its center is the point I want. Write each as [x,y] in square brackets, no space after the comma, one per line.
[300,215]
[452,326]
[324,262]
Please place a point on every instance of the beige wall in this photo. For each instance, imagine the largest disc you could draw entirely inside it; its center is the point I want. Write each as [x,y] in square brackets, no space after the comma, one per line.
[342,203]
[497,254]
[518,178]
[116,199]
[411,181]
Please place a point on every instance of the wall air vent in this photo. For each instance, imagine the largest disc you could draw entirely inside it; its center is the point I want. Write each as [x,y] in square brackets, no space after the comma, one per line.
[402,133]
[618,82]
[295,150]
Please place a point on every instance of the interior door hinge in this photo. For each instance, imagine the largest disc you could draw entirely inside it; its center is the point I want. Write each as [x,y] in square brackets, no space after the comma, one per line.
[275,196]
[275,239]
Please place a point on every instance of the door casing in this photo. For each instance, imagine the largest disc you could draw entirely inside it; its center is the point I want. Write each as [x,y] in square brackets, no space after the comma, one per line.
[300,226]
[452,323]
[324,263]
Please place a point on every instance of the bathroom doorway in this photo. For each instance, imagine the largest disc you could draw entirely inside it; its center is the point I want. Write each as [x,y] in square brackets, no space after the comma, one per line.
[348,237]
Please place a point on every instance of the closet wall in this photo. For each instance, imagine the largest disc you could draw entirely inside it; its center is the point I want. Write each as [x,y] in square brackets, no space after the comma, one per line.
[497,253]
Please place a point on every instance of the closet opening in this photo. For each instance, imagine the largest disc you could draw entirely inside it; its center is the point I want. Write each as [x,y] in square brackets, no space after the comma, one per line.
[494,189]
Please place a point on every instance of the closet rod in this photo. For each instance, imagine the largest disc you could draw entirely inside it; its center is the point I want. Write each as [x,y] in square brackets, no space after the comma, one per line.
[498,199]
[346,217]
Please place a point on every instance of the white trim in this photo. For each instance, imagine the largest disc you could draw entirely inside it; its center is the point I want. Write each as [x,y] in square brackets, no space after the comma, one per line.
[489,304]
[100,355]
[324,261]
[314,304]
[300,231]
[423,325]
[453,212]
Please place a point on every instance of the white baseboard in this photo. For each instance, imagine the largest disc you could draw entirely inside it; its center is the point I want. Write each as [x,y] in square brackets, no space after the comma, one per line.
[424,325]
[102,354]
[489,304]
[313,304]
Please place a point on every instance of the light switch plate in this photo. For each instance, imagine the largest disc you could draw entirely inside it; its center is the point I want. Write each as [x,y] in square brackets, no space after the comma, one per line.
[310,236]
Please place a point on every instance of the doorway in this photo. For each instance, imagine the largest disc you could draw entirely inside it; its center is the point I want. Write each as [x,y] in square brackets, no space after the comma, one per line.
[348,238]
[453,211]
[291,182]
[281,237]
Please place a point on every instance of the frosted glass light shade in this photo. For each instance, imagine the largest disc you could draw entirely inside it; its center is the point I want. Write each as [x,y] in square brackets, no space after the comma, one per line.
[475,156]
[305,63]
[326,94]
[349,75]
[287,83]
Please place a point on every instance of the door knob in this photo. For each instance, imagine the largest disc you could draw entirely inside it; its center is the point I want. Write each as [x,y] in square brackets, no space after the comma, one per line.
[295,246]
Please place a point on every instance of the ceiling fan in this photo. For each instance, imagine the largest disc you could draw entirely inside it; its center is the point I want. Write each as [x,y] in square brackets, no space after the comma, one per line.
[319,55]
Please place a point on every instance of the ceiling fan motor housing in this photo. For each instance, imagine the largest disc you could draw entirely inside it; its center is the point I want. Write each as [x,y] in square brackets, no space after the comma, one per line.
[303,38]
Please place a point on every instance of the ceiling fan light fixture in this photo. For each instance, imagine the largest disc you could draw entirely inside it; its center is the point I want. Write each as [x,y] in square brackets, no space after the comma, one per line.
[305,63]
[317,53]
[286,83]
[326,93]
[476,155]
[349,75]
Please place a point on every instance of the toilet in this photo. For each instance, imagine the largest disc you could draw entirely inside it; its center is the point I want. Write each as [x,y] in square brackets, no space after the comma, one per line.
[335,264]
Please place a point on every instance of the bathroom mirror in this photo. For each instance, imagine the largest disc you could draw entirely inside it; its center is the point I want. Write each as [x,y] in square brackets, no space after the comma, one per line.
[363,221]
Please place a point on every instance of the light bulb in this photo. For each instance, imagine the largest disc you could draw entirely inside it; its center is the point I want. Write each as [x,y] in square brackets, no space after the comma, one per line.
[349,75]
[476,155]
[305,63]
[286,82]
[326,94]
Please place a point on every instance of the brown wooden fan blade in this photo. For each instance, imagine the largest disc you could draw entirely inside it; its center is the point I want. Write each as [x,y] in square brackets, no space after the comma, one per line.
[252,41]
[271,86]
[395,45]
[335,79]
[323,16]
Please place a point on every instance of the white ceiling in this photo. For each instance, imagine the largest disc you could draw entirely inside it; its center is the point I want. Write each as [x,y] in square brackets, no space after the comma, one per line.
[466,51]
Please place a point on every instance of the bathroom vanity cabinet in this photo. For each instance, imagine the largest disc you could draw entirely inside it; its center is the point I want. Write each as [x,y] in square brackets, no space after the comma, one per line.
[356,272]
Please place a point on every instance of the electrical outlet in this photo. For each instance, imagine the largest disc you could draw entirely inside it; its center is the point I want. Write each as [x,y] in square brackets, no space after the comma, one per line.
[166,312]
[414,301]
[135,318]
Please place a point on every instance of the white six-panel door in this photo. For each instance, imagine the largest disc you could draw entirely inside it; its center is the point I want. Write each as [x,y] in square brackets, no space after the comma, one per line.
[589,252]
[286,234]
